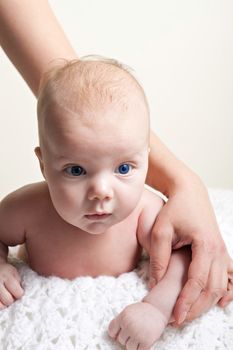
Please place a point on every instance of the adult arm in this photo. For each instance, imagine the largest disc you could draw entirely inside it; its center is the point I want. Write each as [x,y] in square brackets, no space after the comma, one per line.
[187,218]
[31,37]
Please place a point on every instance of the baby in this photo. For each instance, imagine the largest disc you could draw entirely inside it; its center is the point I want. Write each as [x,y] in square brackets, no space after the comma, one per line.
[92,215]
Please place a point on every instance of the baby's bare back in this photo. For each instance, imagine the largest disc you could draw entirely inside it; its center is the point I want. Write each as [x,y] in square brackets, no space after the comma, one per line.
[54,247]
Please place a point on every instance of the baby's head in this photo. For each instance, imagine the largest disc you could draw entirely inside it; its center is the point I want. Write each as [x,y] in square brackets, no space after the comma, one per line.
[93,123]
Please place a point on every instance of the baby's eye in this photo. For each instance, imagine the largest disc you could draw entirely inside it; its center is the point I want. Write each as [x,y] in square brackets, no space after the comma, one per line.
[124,169]
[75,170]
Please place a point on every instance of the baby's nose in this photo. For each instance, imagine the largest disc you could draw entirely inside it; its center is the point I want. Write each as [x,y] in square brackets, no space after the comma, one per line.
[100,189]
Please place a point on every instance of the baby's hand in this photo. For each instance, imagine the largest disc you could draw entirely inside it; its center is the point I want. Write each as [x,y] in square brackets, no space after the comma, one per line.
[10,287]
[138,326]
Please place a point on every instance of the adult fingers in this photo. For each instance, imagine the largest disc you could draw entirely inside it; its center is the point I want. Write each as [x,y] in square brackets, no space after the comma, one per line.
[160,251]
[228,297]
[197,279]
[213,292]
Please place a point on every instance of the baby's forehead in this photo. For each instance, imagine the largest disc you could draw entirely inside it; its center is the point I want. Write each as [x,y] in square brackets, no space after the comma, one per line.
[110,117]
[76,141]
[97,127]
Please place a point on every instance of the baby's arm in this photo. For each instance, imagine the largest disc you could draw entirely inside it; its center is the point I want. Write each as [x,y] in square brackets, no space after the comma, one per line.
[164,295]
[11,234]
[141,324]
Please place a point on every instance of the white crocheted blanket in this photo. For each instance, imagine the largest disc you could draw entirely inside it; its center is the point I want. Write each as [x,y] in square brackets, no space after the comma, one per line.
[65,315]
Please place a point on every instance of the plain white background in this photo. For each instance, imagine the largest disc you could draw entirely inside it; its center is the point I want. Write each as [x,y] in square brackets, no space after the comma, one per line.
[182,53]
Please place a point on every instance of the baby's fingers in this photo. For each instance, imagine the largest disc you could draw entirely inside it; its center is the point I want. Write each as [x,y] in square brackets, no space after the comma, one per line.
[114,328]
[2,306]
[5,297]
[122,336]
[14,287]
[132,344]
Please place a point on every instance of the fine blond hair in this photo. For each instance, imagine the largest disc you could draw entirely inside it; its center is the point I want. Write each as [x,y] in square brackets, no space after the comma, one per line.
[90,82]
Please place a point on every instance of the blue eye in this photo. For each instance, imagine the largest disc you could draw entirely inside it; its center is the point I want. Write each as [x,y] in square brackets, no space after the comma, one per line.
[75,170]
[124,169]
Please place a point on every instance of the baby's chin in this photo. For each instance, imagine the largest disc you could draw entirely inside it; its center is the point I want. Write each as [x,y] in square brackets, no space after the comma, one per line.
[92,227]
[96,228]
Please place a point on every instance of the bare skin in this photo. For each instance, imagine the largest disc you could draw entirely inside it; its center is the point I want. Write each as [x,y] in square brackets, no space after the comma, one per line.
[54,247]
[24,39]
[92,215]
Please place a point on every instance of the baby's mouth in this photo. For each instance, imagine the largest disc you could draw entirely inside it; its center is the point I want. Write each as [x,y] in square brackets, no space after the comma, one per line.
[97,216]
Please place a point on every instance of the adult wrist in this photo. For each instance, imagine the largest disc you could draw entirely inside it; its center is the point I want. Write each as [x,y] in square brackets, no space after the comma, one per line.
[185,182]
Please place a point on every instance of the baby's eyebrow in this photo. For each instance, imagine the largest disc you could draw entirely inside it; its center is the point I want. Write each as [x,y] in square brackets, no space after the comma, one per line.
[127,156]
[133,154]
[61,158]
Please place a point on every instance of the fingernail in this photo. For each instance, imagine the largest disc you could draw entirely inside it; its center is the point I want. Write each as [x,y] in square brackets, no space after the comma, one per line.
[182,317]
[152,283]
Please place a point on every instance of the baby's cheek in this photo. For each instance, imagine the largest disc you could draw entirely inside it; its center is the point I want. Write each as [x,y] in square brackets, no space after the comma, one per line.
[132,199]
[65,207]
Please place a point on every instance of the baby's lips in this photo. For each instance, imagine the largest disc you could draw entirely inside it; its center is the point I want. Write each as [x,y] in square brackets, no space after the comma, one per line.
[98,216]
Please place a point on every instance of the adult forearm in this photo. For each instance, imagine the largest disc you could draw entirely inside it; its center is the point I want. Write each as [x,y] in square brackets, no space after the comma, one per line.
[31,37]
[167,173]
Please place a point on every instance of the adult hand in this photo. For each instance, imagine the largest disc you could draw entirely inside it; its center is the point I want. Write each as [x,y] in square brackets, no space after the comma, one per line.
[188,219]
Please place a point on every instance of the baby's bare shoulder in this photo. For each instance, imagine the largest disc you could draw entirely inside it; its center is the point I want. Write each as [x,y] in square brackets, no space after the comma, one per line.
[26,197]
[151,204]
[151,201]
[18,209]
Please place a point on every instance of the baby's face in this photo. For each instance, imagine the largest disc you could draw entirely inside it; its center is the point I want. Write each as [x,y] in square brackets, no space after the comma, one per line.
[96,170]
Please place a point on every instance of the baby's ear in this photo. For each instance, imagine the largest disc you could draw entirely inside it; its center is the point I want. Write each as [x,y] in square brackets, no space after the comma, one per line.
[38,153]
